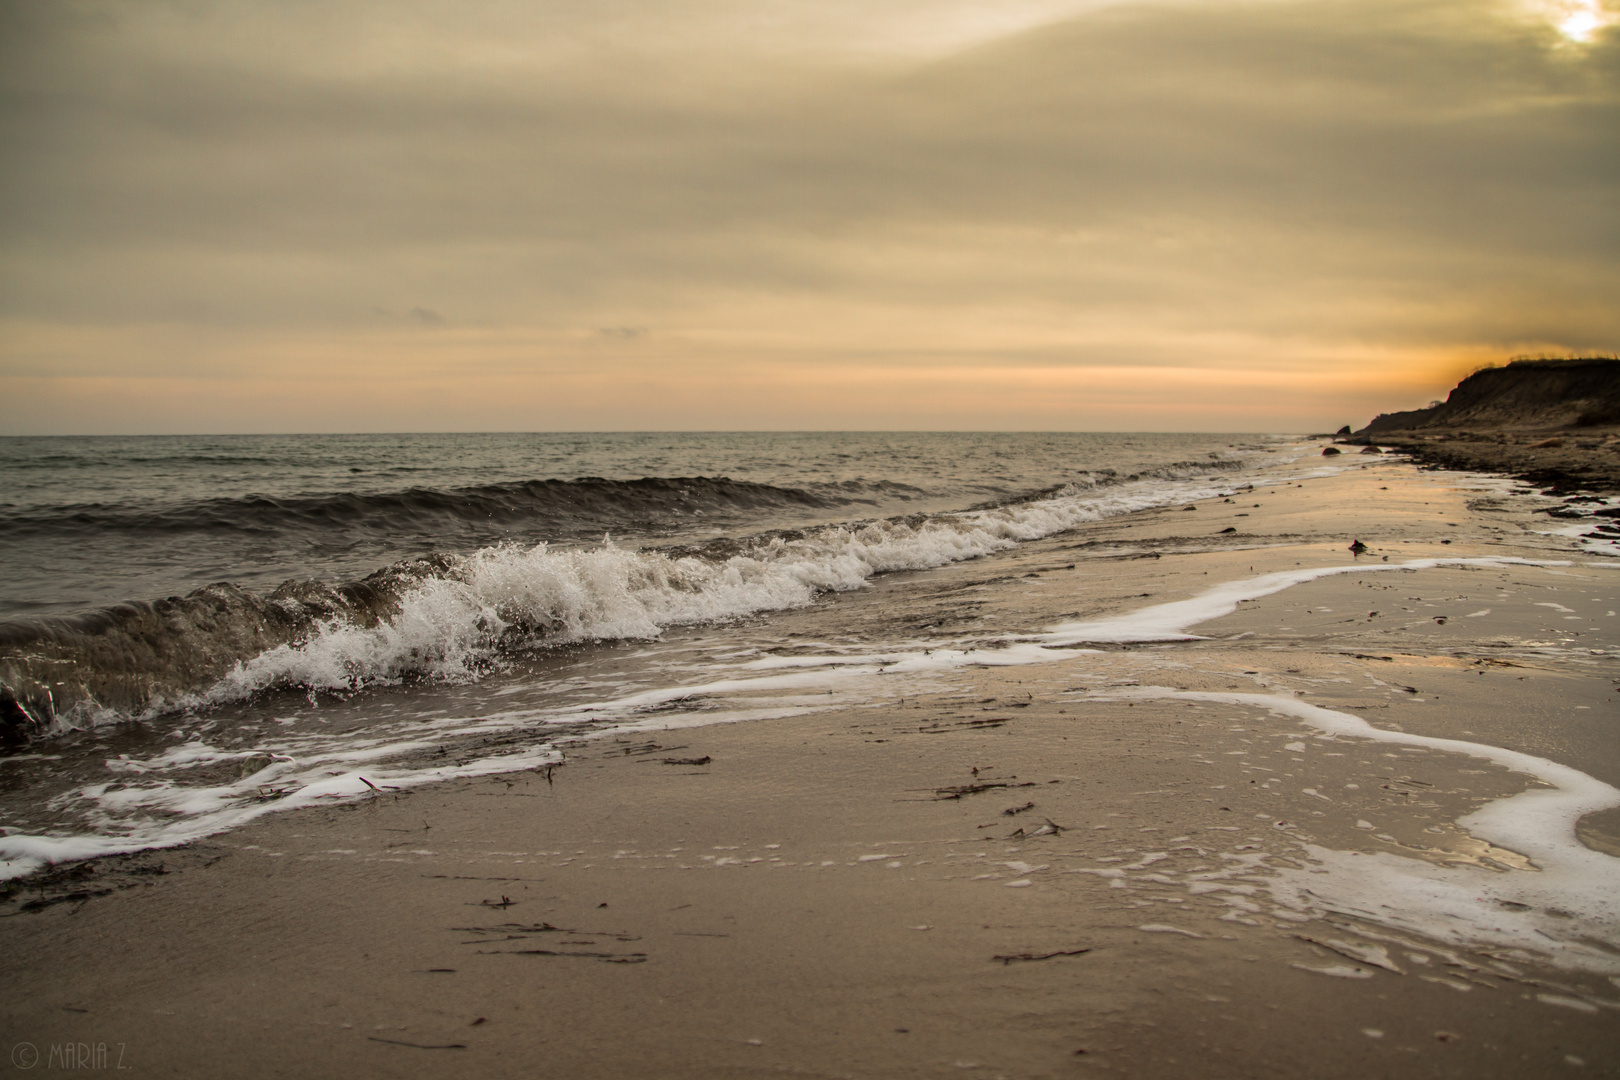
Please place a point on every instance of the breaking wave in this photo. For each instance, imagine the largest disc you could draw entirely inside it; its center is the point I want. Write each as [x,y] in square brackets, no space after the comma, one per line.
[457,616]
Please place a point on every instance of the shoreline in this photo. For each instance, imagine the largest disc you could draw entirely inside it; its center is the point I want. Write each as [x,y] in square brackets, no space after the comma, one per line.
[864,891]
[1584,460]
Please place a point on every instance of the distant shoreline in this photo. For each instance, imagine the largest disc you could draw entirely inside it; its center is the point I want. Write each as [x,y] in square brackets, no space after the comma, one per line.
[1553,423]
[1580,463]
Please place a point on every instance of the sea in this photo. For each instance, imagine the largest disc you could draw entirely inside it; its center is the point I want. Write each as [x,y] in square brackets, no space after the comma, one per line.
[197,630]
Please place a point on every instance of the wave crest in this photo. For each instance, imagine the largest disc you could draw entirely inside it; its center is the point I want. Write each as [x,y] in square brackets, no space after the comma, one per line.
[454,617]
[588,503]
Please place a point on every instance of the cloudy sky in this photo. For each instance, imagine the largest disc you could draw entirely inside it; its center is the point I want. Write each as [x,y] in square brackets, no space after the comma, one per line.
[411,215]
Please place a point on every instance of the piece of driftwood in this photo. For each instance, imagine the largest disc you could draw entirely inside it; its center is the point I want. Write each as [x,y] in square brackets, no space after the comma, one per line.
[1009,958]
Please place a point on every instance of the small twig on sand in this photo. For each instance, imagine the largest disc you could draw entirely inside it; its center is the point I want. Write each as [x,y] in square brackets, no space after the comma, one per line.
[959,790]
[1010,957]
[419,1046]
[605,957]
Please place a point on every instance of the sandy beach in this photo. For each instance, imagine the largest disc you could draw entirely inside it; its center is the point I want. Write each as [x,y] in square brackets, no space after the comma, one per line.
[1135,858]
[713,540]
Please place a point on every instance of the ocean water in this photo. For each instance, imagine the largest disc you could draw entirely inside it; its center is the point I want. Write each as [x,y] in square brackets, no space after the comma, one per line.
[202,631]
[173,607]
[90,522]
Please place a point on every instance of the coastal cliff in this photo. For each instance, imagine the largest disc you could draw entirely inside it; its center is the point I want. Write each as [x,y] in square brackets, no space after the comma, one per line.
[1526,395]
[1551,422]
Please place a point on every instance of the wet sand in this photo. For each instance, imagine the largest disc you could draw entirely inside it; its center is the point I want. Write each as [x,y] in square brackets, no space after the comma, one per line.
[1021,871]
[1569,460]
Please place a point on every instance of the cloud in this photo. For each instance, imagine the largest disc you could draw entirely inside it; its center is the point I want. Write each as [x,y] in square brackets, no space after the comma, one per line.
[1068,186]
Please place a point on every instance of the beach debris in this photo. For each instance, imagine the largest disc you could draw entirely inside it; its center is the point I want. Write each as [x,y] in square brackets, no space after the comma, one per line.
[704,760]
[1049,829]
[495,935]
[78,896]
[1165,928]
[1331,451]
[1357,547]
[957,791]
[1229,529]
[1013,811]
[418,1046]
[1371,450]
[604,957]
[1009,958]
[643,750]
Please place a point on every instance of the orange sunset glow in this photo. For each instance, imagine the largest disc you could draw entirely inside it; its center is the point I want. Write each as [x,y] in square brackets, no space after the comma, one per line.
[705,215]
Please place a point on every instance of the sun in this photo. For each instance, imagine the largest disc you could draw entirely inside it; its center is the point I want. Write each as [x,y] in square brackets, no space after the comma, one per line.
[1578,20]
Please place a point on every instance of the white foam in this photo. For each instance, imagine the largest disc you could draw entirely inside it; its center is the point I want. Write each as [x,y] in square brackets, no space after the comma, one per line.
[455,626]
[1555,912]
[448,626]
[1606,546]
[191,813]
[1170,622]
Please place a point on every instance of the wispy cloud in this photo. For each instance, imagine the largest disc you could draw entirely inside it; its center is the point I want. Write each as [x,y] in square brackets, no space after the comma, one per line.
[1228,187]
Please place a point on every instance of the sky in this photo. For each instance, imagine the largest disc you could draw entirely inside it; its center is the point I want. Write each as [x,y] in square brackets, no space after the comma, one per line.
[575,215]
